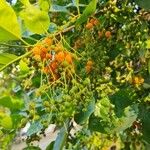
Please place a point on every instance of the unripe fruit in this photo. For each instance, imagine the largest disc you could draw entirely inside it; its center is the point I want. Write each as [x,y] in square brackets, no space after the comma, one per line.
[47,110]
[32,112]
[36,117]
[31,105]
[86,81]
[46,104]
[23,122]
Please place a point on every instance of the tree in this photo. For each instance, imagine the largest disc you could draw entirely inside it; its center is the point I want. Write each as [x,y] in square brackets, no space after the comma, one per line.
[86,61]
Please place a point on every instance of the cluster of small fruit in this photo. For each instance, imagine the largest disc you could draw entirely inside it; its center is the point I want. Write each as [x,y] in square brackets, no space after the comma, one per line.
[54,57]
[69,101]
[95,22]
[108,36]
[92,22]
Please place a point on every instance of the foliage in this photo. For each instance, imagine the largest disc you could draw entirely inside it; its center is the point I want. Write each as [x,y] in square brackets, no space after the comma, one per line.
[86,61]
[8,30]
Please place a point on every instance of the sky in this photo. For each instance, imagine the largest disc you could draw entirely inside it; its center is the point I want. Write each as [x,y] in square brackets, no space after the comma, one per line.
[14,1]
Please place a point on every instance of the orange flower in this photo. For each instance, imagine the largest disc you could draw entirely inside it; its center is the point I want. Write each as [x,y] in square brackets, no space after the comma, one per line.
[108,34]
[60,57]
[89,26]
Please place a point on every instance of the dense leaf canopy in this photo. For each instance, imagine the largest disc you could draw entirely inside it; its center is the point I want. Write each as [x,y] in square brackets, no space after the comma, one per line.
[69,61]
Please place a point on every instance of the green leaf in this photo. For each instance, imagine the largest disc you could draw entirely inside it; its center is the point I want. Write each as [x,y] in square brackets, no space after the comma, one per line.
[17,103]
[82,117]
[122,99]
[106,120]
[11,103]
[61,138]
[6,122]
[52,28]
[58,8]
[143,3]
[6,58]
[9,26]
[5,101]
[36,20]
[50,146]
[89,10]
[117,124]
[146,86]
[95,124]
[148,43]
[144,115]
[35,127]
[17,7]
[16,118]
[44,5]
[76,3]
[129,116]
